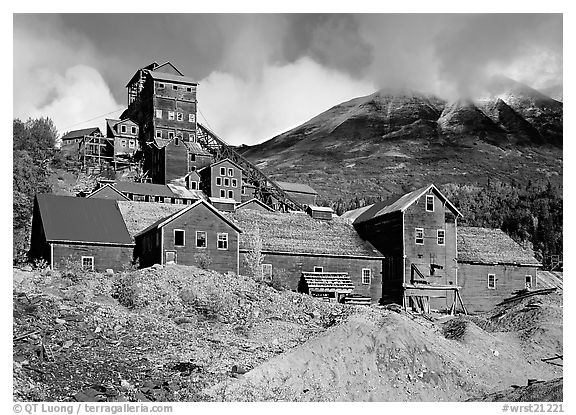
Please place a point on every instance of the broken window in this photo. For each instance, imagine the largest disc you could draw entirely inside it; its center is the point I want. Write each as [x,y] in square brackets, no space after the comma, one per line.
[222,242]
[528,281]
[222,193]
[318,269]
[234,183]
[492,281]
[123,128]
[222,171]
[179,237]
[230,172]
[179,116]
[88,263]
[191,118]
[218,181]
[226,182]
[133,130]
[170,257]
[440,236]
[201,239]
[158,113]
[419,236]
[429,203]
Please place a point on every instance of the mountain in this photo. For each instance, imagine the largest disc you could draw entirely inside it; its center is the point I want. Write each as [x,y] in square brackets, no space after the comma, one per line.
[395,140]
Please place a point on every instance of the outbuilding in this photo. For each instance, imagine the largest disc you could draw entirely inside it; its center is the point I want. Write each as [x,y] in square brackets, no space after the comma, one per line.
[90,233]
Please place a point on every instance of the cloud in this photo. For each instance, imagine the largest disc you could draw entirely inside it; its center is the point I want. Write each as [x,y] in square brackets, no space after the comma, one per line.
[54,75]
[249,111]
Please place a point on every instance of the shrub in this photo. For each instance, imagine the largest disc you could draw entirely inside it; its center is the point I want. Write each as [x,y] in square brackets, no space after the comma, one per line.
[203,260]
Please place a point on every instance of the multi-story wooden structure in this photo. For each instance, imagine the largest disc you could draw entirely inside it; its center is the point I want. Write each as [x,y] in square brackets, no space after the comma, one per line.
[196,235]
[122,137]
[72,141]
[90,233]
[223,180]
[416,232]
[492,267]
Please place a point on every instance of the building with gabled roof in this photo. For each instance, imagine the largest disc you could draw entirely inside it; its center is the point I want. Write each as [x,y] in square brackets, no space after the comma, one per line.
[122,136]
[293,243]
[256,205]
[147,192]
[88,232]
[196,235]
[416,232]
[222,180]
[492,267]
[72,142]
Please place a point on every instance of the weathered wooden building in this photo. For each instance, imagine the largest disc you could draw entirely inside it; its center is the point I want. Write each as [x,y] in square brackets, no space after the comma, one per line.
[293,243]
[122,137]
[90,233]
[222,179]
[197,235]
[73,140]
[416,233]
[162,101]
[254,204]
[492,267]
[147,192]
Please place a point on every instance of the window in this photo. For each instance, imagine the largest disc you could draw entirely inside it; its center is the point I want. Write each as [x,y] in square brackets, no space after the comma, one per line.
[192,157]
[218,181]
[267,272]
[133,130]
[192,137]
[170,257]
[188,89]
[226,182]
[178,201]
[222,193]
[318,269]
[191,118]
[170,134]
[419,236]
[222,171]
[234,183]
[88,263]
[158,113]
[230,172]
[243,190]
[492,281]
[193,185]
[175,87]
[171,115]
[179,116]
[429,203]
[179,237]
[366,275]
[160,85]
[201,239]
[158,134]
[230,194]
[131,143]
[222,242]
[123,143]
[123,128]
[440,234]
[528,281]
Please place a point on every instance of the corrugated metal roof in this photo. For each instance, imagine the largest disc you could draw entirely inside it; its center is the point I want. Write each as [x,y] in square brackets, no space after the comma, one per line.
[491,246]
[296,187]
[162,76]
[80,133]
[77,219]
[401,203]
[196,148]
[299,233]
[149,189]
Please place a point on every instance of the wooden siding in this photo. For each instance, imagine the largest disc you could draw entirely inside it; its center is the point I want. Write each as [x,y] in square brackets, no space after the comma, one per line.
[199,218]
[430,252]
[105,257]
[473,278]
[287,269]
[209,176]
[175,161]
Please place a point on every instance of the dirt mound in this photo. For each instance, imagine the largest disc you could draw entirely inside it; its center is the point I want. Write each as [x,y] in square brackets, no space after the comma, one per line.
[158,334]
[550,391]
[380,355]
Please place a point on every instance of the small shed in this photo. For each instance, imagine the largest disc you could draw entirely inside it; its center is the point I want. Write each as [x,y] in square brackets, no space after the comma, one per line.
[255,204]
[320,212]
[330,286]
[223,204]
[88,232]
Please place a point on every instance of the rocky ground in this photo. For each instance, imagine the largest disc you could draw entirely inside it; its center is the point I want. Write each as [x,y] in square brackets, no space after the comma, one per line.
[184,334]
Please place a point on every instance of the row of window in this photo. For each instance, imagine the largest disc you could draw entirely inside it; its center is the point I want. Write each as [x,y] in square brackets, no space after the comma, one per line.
[223,171]
[230,193]
[226,182]
[419,236]
[159,134]
[162,85]
[492,281]
[131,143]
[177,116]
[267,273]
[124,129]
[201,239]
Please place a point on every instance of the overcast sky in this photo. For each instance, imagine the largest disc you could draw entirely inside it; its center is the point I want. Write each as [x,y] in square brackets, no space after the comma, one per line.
[261,75]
